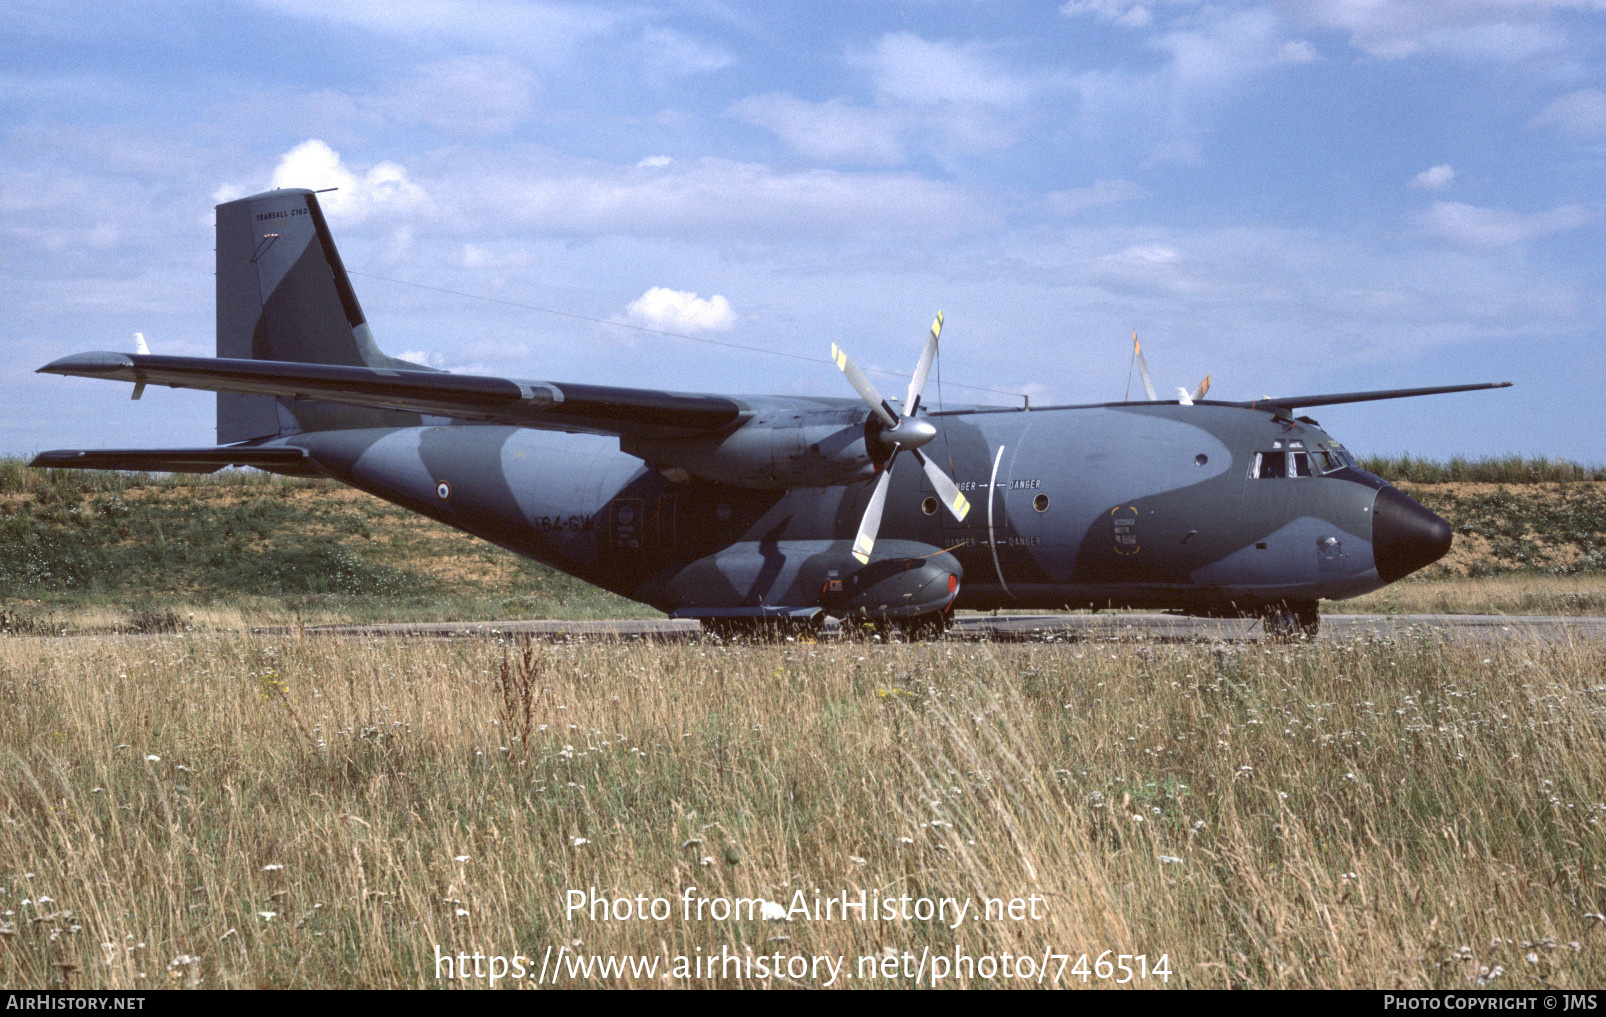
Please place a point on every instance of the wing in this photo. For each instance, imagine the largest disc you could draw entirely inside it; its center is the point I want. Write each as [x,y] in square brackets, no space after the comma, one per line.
[178,460]
[593,409]
[1298,402]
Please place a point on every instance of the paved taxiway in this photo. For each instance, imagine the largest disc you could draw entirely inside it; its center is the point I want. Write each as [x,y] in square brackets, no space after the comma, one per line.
[1057,627]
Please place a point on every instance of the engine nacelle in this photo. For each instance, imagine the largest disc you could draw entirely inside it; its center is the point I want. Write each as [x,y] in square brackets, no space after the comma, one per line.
[802,578]
[782,448]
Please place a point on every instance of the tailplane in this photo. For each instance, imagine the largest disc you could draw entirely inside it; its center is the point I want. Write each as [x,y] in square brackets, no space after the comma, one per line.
[283,294]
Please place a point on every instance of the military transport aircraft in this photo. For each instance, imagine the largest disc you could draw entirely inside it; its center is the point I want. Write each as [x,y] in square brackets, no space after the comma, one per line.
[753,511]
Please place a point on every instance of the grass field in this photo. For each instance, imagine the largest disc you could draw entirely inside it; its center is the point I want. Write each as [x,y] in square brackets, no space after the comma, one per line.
[218,810]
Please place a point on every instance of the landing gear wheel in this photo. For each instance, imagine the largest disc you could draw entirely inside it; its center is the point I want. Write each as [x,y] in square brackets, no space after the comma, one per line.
[1288,620]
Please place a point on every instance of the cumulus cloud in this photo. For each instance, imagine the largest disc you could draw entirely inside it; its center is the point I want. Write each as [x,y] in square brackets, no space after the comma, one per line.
[1434,178]
[680,311]
[383,187]
[1580,114]
[1470,226]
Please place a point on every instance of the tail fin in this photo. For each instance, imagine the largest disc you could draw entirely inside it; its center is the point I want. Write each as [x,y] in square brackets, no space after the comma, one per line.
[283,294]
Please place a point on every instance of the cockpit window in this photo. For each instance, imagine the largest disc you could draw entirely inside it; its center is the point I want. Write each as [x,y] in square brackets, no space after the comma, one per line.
[1293,459]
[1267,465]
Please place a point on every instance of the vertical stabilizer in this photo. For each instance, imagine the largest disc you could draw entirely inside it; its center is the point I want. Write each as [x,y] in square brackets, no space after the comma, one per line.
[283,294]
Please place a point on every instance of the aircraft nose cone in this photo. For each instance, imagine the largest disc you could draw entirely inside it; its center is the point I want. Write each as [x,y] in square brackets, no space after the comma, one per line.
[1405,536]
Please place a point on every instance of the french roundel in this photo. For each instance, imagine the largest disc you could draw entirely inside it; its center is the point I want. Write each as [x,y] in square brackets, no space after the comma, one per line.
[443,490]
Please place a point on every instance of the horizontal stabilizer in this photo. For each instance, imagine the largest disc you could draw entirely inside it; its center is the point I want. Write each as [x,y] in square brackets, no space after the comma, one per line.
[171,460]
[594,409]
[1333,399]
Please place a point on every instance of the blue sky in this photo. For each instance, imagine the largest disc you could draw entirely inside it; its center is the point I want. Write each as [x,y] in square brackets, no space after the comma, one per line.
[1310,196]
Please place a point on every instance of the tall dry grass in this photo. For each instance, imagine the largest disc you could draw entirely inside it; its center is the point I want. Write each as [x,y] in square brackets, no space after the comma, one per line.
[1515,593]
[234,811]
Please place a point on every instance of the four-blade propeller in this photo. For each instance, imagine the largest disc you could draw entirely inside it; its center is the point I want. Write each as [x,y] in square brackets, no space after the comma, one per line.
[904,433]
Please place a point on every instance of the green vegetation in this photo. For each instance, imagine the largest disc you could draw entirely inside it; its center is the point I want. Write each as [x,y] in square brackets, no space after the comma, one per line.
[242,546]
[1509,470]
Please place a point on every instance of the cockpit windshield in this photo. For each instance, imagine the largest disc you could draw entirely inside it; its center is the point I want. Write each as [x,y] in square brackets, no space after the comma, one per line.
[1293,459]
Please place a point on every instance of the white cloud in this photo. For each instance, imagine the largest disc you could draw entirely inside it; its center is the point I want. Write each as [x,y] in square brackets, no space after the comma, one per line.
[384,187]
[1100,192]
[1494,30]
[1470,226]
[537,28]
[1434,178]
[477,256]
[654,162]
[423,358]
[1115,12]
[468,95]
[669,54]
[1218,51]
[1297,51]
[941,97]
[679,311]
[704,200]
[832,131]
[912,70]
[1580,114]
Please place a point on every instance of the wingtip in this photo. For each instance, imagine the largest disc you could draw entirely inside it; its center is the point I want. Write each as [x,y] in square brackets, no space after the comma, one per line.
[99,362]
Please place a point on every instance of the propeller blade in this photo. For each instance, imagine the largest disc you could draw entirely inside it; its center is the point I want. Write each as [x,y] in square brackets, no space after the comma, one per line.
[917,384]
[946,490]
[866,390]
[1143,368]
[1204,386]
[871,523]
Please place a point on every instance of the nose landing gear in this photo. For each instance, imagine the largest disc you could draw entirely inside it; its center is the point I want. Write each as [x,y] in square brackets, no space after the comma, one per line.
[1289,620]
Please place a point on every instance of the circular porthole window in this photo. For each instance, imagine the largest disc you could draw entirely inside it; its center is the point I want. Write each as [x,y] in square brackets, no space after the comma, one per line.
[626,514]
[443,490]
[1040,503]
[723,513]
[1200,459]
[929,506]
